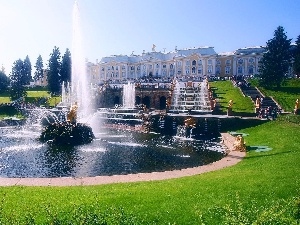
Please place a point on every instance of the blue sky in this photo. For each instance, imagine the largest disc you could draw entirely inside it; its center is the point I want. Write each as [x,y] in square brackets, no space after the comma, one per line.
[33,27]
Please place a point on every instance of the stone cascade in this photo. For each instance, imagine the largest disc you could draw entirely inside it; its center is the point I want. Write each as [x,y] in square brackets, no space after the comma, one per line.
[191,96]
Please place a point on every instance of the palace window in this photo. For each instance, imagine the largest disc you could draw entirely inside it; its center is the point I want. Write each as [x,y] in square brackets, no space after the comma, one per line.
[102,68]
[144,67]
[123,67]
[218,62]
[187,62]
[171,66]
[157,66]
[227,70]
[179,63]
[251,70]
[193,70]
[251,60]
[200,70]
[240,70]
[199,62]
[209,62]
[218,70]
[150,67]
[228,61]
[240,61]
[123,74]
[164,66]
[209,69]
[194,63]
[117,68]
[132,67]
[179,72]
[138,67]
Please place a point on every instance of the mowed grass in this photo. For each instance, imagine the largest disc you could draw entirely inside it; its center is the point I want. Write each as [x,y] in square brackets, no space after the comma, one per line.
[285,95]
[224,91]
[33,96]
[264,187]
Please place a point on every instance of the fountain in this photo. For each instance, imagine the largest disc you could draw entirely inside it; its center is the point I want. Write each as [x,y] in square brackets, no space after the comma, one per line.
[74,149]
[129,96]
[191,97]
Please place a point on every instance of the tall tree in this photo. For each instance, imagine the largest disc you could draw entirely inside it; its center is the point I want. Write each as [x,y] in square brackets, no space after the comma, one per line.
[27,78]
[66,67]
[54,71]
[39,69]
[277,59]
[296,65]
[17,80]
[4,82]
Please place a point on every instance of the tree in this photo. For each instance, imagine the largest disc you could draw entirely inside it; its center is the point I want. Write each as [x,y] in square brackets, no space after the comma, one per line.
[4,82]
[54,71]
[17,80]
[39,69]
[296,65]
[276,61]
[27,78]
[66,67]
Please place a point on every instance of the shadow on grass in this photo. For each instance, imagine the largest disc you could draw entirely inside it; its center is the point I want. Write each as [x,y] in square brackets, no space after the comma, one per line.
[238,123]
[290,90]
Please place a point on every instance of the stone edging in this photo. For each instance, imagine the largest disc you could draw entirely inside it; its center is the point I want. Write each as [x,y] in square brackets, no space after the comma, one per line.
[232,158]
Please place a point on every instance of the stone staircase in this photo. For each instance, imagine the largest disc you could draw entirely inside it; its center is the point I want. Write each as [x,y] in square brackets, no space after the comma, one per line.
[254,93]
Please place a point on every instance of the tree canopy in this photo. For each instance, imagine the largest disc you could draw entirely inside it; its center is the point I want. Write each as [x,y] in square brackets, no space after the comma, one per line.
[66,67]
[54,71]
[4,82]
[276,61]
[17,80]
[39,68]
[27,78]
[296,65]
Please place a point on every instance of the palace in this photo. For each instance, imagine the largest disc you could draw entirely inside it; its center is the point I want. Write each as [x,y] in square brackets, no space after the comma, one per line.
[195,63]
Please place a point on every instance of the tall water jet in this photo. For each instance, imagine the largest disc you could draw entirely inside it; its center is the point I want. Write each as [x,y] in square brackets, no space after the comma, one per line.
[79,81]
[129,95]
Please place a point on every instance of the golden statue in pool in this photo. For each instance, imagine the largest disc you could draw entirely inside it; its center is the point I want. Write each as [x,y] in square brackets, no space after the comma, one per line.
[72,115]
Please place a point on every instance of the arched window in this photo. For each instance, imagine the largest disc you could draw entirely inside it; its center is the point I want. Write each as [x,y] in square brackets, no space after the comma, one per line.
[251,70]
[171,66]
[193,70]
[194,63]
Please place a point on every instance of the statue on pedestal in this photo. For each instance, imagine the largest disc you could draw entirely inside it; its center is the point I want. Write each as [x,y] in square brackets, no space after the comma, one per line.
[72,115]
[229,109]
[296,108]
[239,144]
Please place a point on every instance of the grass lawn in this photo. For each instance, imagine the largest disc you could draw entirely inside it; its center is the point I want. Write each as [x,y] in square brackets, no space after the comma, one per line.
[285,95]
[263,188]
[225,91]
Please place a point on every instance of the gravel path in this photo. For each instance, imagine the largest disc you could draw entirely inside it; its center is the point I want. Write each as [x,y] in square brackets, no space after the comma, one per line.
[231,159]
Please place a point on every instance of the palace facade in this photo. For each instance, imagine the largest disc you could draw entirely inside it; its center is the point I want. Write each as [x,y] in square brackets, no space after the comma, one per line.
[196,63]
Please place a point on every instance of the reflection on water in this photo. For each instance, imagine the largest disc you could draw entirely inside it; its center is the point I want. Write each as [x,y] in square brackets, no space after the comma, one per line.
[112,152]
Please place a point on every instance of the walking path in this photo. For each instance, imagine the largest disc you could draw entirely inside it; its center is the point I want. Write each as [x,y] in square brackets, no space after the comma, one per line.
[231,159]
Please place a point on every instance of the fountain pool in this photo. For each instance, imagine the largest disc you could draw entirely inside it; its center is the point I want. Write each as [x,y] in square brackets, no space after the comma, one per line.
[112,152]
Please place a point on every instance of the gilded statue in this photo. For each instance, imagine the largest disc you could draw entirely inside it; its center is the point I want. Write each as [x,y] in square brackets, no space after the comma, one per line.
[229,109]
[239,144]
[296,109]
[72,115]
[190,122]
